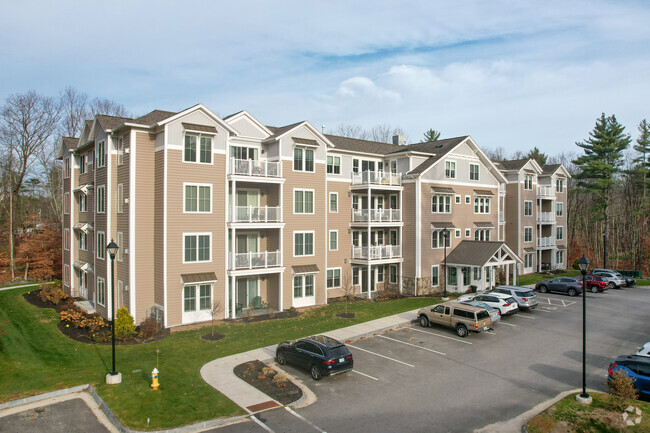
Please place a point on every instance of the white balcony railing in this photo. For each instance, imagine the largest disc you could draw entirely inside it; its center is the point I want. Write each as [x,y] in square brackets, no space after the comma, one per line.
[545,191]
[249,167]
[256,214]
[377,252]
[251,260]
[376,215]
[546,242]
[376,178]
[546,217]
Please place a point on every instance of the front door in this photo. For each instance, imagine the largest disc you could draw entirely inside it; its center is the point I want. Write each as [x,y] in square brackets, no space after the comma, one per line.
[247,291]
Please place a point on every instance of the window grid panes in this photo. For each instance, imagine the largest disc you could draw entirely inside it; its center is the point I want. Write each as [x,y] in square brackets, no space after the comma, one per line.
[450,169]
[441,204]
[333,278]
[303,202]
[473,172]
[334,165]
[334,202]
[481,205]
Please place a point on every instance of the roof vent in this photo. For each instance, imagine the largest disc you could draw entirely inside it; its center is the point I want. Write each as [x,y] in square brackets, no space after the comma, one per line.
[437,146]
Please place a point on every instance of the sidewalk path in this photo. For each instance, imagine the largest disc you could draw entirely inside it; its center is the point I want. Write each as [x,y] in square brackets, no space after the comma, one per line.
[219,373]
[24,285]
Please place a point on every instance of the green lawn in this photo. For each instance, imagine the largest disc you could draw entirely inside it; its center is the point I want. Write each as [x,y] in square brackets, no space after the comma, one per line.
[35,357]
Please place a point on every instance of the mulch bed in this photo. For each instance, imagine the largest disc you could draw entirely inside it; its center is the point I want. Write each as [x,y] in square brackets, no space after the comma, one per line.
[262,317]
[346,315]
[251,373]
[215,337]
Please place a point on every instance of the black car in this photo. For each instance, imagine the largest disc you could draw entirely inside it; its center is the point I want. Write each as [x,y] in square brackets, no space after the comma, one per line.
[567,285]
[320,354]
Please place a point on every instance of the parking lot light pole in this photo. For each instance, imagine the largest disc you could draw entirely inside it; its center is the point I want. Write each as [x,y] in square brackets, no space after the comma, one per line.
[445,234]
[605,247]
[583,397]
[113,377]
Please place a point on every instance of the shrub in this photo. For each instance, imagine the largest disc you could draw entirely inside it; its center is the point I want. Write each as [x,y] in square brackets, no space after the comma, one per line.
[268,371]
[621,386]
[72,315]
[124,326]
[94,323]
[149,327]
[53,295]
[279,380]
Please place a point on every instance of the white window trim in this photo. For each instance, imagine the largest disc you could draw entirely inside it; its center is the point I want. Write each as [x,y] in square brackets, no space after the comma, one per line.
[197,185]
[478,172]
[103,280]
[439,247]
[560,203]
[120,198]
[468,233]
[333,165]
[101,145]
[457,233]
[561,229]
[329,240]
[83,247]
[103,201]
[99,247]
[198,147]
[445,196]
[455,176]
[83,203]
[120,244]
[66,239]
[438,268]
[66,275]
[340,278]
[457,199]
[293,197]
[468,199]
[66,204]
[329,204]
[488,201]
[314,242]
[531,207]
[532,181]
[390,267]
[531,235]
[197,234]
[66,168]
[304,159]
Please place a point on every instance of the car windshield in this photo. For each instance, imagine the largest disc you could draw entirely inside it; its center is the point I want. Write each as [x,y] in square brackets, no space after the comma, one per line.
[525,294]
[511,300]
[482,315]
[337,352]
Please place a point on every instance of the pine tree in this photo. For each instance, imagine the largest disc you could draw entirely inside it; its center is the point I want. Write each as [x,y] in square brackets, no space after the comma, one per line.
[642,170]
[431,135]
[537,155]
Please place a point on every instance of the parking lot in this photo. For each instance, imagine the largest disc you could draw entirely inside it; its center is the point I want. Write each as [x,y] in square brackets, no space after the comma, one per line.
[428,379]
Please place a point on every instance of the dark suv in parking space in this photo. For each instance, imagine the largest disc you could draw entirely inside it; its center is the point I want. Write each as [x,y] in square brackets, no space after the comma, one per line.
[570,286]
[320,354]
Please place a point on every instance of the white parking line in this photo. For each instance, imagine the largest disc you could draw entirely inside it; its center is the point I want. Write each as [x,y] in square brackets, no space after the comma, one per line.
[547,309]
[364,374]
[507,324]
[523,316]
[261,424]
[293,412]
[440,335]
[380,355]
[414,345]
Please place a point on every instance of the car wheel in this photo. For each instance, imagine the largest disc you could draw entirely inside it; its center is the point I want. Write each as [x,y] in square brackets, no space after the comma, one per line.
[282,358]
[611,285]
[315,372]
[462,331]
[572,292]
[424,321]
[543,289]
[594,289]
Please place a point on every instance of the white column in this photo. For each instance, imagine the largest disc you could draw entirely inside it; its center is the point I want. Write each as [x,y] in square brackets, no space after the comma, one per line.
[233,310]
[507,274]
[399,277]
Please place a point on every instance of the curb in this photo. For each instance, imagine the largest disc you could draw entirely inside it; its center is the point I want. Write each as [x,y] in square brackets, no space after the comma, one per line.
[45,396]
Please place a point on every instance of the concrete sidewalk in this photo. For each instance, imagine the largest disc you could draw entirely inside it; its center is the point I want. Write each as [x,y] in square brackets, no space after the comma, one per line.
[219,373]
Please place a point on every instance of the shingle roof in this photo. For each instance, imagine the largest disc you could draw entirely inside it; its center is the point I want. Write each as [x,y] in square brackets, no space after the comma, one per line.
[365,146]
[437,148]
[277,131]
[304,269]
[200,277]
[550,168]
[200,128]
[513,164]
[233,114]
[110,122]
[154,117]
[70,142]
[473,253]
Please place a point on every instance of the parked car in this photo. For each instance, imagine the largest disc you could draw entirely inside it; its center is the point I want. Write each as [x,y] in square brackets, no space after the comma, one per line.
[645,350]
[320,354]
[596,283]
[463,318]
[570,286]
[637,368]
[629,281]
[495,313]
[613,281]
[525,297]
[505,303]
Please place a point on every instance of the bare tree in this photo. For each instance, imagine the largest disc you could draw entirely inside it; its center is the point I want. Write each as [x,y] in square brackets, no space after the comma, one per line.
[347,288]
[382,132]
[215,310]
[108,108]
[351,131]
[74,112]
[495,154]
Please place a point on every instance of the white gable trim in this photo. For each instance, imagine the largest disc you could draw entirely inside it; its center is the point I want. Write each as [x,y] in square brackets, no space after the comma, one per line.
[232,119]
[313,130]
[199,107]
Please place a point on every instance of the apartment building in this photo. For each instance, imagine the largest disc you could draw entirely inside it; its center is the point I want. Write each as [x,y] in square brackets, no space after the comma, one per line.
[210,210]
[536,218]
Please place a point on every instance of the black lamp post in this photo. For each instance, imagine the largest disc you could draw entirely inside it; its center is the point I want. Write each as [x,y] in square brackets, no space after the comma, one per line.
[583,263]
[112,249]
[605,248]
[445,234]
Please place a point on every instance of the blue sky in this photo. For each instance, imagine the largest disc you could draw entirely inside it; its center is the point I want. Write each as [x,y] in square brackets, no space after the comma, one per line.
[510,74]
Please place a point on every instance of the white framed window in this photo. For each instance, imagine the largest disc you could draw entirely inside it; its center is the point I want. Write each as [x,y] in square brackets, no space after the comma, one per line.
[393,237]
[101,199]
[482,235]
[197,148]
[66,168]
[333,278]
[83,282]
[392,274]
[303,159]
[83,241]
[528,234]
[334,165]
[559,257]
[100,246]
[120,244]
[468,199]
[468,233]
[194,292]
[559,233]
[101,291]
[481,205]
[66,239]
[380,274]
[101,154]
[559,209]
[457,197]
[355,275]
[528,260]
[120,150]
[66,203]
[82,164]
[303,286]
[528,182]
[120,198]
[438,239]
[473,172]
[393,167]
[450,169]
[559,185]
[197,197]
[477,273]
[441,204]
[435,275]
[83,203]
[303,243]
[66,275]
[334,240]
[528,208]
[457,233]
[196,247]
[334,202]
[303,201]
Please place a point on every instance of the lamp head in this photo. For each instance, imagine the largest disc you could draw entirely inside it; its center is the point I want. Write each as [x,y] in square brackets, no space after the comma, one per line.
[583,264]
[112,249]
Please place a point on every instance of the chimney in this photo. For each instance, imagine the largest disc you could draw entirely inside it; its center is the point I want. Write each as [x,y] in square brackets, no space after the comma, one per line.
[400,140]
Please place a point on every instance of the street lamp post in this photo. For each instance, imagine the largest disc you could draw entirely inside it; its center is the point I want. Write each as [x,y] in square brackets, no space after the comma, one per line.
[605,248]
[445,234]
[583,397]
[113,377]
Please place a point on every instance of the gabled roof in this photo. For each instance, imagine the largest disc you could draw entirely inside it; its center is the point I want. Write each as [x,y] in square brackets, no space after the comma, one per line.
[551,169]
[478,253]
[110,122]
[243,113]
[438,147]
[153,117]
[364,146]
[516,165]
[66,144]
[278,131]
[281,132]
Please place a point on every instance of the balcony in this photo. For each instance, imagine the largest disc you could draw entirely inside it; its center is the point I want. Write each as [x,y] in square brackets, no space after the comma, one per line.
[545,217]
[376,215]
[256,214]
[376,178]
[545,192]
[546,242]
[377,252]
[255,260]
[249,167]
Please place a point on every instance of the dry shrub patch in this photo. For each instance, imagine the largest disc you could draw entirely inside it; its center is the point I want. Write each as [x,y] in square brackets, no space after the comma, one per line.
[266,379]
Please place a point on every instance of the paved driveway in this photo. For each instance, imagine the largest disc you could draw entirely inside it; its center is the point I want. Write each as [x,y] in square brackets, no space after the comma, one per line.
[417,379]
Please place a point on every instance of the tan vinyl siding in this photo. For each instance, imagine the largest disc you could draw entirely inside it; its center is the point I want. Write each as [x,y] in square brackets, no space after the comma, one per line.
[159,200]
[122,176]
[340,221]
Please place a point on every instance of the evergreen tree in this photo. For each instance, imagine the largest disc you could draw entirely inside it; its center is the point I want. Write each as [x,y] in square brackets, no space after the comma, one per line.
[537,155]
[431,135]
[642,173]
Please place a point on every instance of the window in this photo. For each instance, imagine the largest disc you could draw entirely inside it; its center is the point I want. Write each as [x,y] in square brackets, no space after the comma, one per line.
[528,181]
[303,286]
[450,169]
[66,275]
[441,204]
[457,199]
[393,167]
[559,257]
[120,151]
[468,233]
[559,209]
[66,168]
[101,291]
[559,185]
[198,198]
[334,202]
[189,299]
[528,208]
[334,240]
[468,199]
[83,241]
[204,154]
[333,278]
[355,166]
[481,205]
[380,274]
[83,277]
[303,202]
[120,244]
[120,198]
[473,172]
[355,276]
[82,164]
[528,260]
[477,273]
[453,275]
[101,199]
[559,231]
[303,244]
[482,235]
[392,274]
[334,165]
[393,237]
[205,296]
[435,275]
[528,234]
[438,239]
[101,245]
[83,203]
[66,203]
[303,159]
[196,247]
[242,152]
[458,232]
[66,239]
[101,154]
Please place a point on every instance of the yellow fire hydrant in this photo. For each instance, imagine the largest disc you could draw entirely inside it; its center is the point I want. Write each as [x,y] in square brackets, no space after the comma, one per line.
[154,379]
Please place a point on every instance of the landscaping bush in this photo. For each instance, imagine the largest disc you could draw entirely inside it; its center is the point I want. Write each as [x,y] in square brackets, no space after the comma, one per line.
[124,326]
[621,386]
[53,294]
[149,327]
[73,315]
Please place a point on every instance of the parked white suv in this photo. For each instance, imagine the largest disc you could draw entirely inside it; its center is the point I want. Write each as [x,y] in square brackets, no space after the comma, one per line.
[504,303]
